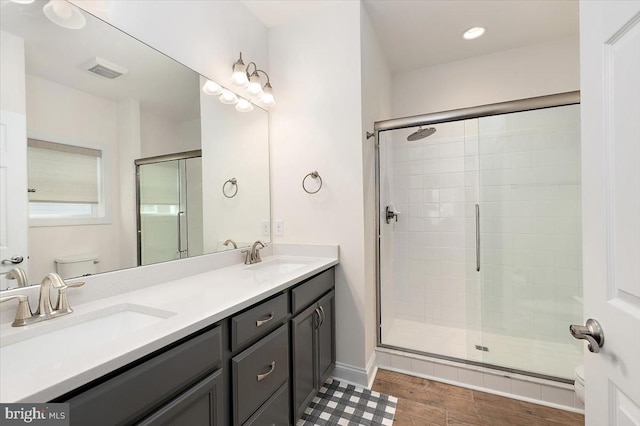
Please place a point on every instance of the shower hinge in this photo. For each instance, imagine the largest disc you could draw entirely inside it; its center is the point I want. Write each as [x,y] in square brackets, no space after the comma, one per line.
[482,348]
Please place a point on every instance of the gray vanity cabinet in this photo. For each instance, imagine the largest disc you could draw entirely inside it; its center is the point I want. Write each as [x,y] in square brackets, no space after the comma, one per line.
[312,339]
[181,381]
[202,405]
[260,366]
[303,350]
[258,372]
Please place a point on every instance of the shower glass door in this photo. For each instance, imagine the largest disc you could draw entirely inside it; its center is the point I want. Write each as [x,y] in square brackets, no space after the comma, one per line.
[170,210]
[530,225]
[480,240]
[429,285]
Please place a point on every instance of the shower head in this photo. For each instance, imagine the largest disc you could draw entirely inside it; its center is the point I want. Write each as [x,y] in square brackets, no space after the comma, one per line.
[421,133]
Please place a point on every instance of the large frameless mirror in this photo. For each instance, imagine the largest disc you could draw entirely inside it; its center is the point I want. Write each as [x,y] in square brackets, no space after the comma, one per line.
[79,107]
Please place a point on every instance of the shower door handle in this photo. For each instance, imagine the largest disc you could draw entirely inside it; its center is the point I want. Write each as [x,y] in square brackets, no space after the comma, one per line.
[478,237]
[591,332]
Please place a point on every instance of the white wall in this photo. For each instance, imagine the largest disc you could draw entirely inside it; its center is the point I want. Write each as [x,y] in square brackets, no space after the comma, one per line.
[317,126]
[61,114]
[129,147]
[206,36]
[162,135]
[526,72]
[238,149]
[376,106]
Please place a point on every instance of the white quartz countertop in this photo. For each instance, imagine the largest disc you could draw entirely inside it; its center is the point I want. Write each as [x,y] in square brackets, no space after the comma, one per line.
[49,368]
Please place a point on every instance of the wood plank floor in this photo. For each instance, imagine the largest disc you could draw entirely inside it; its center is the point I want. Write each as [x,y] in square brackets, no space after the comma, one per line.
[427,403]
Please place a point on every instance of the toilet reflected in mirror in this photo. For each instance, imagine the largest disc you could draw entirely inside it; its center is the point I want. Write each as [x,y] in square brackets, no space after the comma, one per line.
[77,266]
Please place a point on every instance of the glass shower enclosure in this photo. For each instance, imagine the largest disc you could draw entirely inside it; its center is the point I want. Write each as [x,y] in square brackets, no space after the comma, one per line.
[169,204]
[479,235]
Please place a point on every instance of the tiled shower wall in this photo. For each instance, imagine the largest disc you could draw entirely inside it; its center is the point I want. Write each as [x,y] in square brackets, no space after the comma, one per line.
[435,189]
[530,197]
[523,170]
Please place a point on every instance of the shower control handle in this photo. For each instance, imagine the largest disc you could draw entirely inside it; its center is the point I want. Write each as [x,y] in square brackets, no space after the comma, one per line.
[591,332]
[389,214]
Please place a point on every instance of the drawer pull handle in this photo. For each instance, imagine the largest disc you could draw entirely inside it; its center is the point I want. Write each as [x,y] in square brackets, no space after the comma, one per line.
[323,317]
[264,321]
[261,377]
[319,316]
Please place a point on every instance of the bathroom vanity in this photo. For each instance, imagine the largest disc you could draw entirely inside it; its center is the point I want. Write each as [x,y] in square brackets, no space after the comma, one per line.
[257,355]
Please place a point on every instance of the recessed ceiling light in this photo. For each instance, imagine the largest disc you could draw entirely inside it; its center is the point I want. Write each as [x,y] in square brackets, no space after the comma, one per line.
[472,33]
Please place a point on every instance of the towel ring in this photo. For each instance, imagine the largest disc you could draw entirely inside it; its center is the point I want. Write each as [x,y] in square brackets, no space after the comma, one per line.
[314,175]
[232,181]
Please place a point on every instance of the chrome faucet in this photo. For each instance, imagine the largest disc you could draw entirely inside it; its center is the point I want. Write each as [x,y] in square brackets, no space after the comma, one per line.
[230,241]
[253,256]
[44,303]
[19,275]
[45,311]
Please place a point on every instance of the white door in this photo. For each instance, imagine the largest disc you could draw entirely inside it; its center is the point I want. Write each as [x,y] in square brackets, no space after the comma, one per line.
[610,92]
[13,194]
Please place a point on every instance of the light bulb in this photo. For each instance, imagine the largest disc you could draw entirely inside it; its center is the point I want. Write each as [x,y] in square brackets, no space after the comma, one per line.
[472,33]
[212,88]
[267,97]
[64,14]
[255,85]
[62,9]
[239,75]
[228,97]
[244,105]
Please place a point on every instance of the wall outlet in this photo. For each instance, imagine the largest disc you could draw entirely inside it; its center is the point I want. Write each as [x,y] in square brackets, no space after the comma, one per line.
[266,229]
[278,228]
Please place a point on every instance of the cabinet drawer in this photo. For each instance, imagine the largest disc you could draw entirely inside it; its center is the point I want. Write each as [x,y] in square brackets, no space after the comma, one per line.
[274,412]
[258,321]
[307,293]
[258,372]
[200,405]
[143,388]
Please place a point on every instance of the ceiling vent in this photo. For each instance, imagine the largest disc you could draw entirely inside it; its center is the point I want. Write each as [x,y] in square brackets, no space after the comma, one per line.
[104,68]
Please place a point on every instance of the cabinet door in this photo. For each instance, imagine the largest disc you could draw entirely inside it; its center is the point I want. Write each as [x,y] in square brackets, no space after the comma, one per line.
[303,340]
[202,405]
[326,337]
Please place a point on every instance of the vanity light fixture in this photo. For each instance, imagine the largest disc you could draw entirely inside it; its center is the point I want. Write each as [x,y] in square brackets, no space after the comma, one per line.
[212,88]
[23,1]
[228,97]
[239,75]
[267,95]
[251,81]
[64,14]
[244,105]
[473,33]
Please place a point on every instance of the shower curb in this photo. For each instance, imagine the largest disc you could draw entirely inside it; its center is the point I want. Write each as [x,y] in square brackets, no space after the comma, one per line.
[511,385]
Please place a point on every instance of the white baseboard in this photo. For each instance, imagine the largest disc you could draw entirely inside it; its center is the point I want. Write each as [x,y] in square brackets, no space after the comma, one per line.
[361,377]
[350,374]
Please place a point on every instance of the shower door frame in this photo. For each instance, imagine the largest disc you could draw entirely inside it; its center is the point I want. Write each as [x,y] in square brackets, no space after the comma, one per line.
[152,160]
[521,105]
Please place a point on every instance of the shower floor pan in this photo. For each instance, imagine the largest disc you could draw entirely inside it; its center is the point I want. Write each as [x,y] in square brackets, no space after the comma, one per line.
[526,355]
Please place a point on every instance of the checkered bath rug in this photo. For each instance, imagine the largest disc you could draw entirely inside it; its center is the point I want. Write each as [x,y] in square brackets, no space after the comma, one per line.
[347,405]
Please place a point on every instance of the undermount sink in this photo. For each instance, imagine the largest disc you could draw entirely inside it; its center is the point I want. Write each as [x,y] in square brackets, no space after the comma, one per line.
[56,338]
[279,266]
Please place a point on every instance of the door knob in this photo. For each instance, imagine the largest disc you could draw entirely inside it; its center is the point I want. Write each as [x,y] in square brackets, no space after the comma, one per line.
[14,260]
[591,332]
